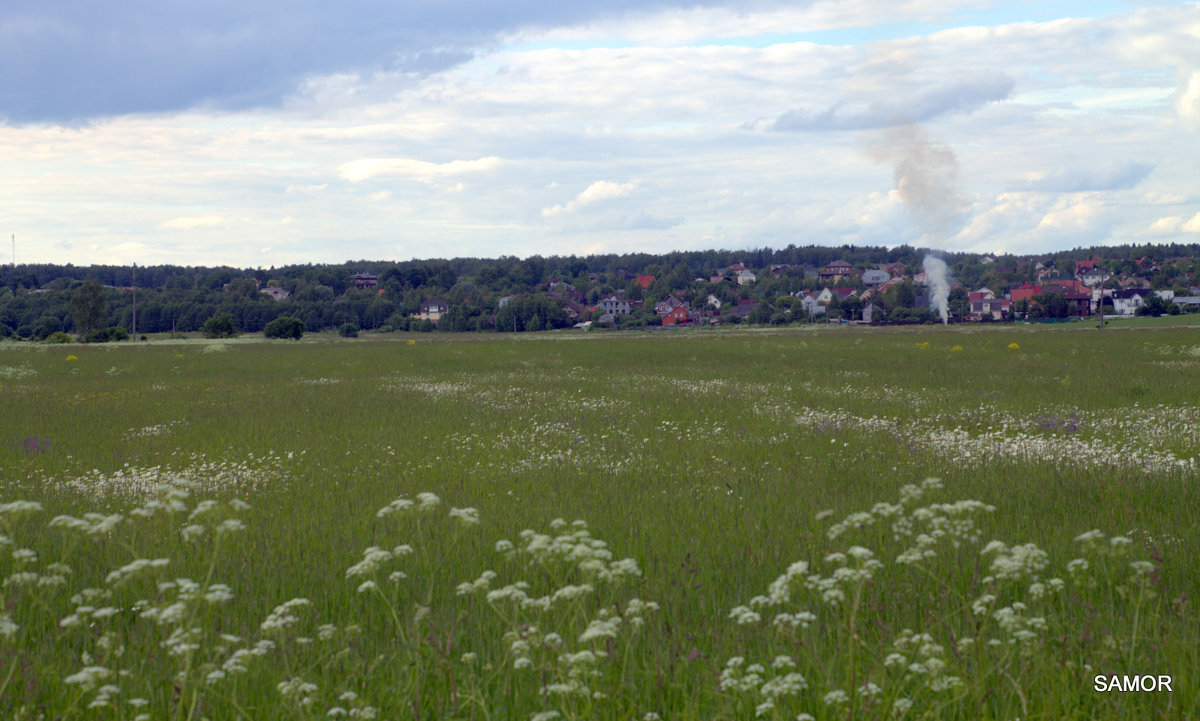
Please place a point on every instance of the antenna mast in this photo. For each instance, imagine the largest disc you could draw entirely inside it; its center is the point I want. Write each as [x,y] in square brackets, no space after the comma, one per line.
[14,241]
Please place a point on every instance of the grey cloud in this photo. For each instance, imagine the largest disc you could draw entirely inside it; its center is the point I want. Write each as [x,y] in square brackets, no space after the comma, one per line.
[960,96]
[1109,176]
[73,60]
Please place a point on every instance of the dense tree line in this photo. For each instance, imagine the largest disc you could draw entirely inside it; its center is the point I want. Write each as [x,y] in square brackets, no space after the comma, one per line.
[39,300]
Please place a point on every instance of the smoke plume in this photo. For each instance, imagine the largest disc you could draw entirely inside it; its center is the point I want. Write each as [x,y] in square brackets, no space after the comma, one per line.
[937,277]
[926,174]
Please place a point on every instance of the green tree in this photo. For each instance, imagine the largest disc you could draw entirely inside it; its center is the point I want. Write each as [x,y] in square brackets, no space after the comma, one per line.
[285,327]
[219,326]
[88,307]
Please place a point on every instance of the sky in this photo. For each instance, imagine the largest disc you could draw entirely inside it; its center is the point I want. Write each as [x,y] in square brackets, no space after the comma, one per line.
[269,133]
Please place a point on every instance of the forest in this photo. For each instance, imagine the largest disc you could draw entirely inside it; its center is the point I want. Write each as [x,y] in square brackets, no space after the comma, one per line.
[506,293]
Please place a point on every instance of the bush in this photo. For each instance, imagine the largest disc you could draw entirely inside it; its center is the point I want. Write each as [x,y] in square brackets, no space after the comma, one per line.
[348,330]
[284,327]
[219,326]
[116,332]
[59,337]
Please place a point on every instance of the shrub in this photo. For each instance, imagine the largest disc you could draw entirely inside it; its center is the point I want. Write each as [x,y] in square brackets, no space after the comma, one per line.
[219,326]
[348,330]
[59,337]
[285,327]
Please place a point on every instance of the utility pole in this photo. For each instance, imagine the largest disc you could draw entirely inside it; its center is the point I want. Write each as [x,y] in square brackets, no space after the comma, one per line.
[14,243]
[135,302]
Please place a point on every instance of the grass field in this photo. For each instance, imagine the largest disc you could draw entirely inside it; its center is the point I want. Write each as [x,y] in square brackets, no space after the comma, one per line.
[692,525]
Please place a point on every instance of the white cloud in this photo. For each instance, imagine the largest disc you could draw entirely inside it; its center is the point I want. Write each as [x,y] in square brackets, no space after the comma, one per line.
[357,171]
[596,192]
[192,222]
[1193,225]
[1188,105]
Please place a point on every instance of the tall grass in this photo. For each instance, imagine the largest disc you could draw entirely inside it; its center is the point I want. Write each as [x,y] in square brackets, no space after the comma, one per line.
[751,479]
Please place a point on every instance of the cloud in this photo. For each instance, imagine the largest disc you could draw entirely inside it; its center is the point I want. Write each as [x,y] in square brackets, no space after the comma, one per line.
[366,168]
[963,95]
[192,222]
[1188,105]
[77,60]
[596,192]
[1108,176]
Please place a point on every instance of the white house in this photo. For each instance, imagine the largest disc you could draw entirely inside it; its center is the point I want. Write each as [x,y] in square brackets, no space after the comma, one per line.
[1127,301]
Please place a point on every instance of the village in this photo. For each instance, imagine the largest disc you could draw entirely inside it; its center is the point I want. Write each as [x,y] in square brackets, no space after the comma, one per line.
[842,293]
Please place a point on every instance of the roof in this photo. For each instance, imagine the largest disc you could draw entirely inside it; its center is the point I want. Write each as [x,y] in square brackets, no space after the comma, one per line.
[644,281]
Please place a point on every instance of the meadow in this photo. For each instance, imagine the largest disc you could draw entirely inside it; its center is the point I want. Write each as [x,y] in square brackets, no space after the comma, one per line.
[817,523]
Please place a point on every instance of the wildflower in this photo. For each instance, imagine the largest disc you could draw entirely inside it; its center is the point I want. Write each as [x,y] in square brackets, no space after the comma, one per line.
[956,349]
[835,697]
[1089,537]
[789,685]
[469,516]
[367,586]
[1014,346]
[427,501]
[72,358]
[743,615]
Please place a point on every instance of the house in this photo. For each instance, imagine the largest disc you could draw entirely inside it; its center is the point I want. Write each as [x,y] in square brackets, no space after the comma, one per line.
[836,270]
[871,313]
[644,281]
[811,306]
[676,316]
[844,293]
[716,278]
[990,308]
[1078,299]
[742,308]
[1085,265]
[666,305]
[875,277]
[825,296]
[745,277]
[274,292]
[736,268]
[365,281]
[1126,301]
[1186,301]
[1045,274]
[574,309]
[713,302]
[1093,277]
[616,305]
[1025,292]
[981,294]
[432,310]
[503,301]
[895,269]
[1165,294]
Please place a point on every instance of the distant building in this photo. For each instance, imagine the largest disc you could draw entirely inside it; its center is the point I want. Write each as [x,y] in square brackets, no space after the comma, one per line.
[365,281]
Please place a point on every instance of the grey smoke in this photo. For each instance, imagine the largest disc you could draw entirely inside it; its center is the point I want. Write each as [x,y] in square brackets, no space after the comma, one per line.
[926,175]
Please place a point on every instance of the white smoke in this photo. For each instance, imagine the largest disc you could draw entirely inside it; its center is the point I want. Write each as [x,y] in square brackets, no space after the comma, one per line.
[926,175]
[937,277]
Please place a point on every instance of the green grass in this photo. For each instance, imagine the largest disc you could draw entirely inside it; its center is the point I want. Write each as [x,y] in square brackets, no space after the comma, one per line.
[713,459]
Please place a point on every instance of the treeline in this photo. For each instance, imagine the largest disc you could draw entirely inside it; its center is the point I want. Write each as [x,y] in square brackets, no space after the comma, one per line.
[35,299]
